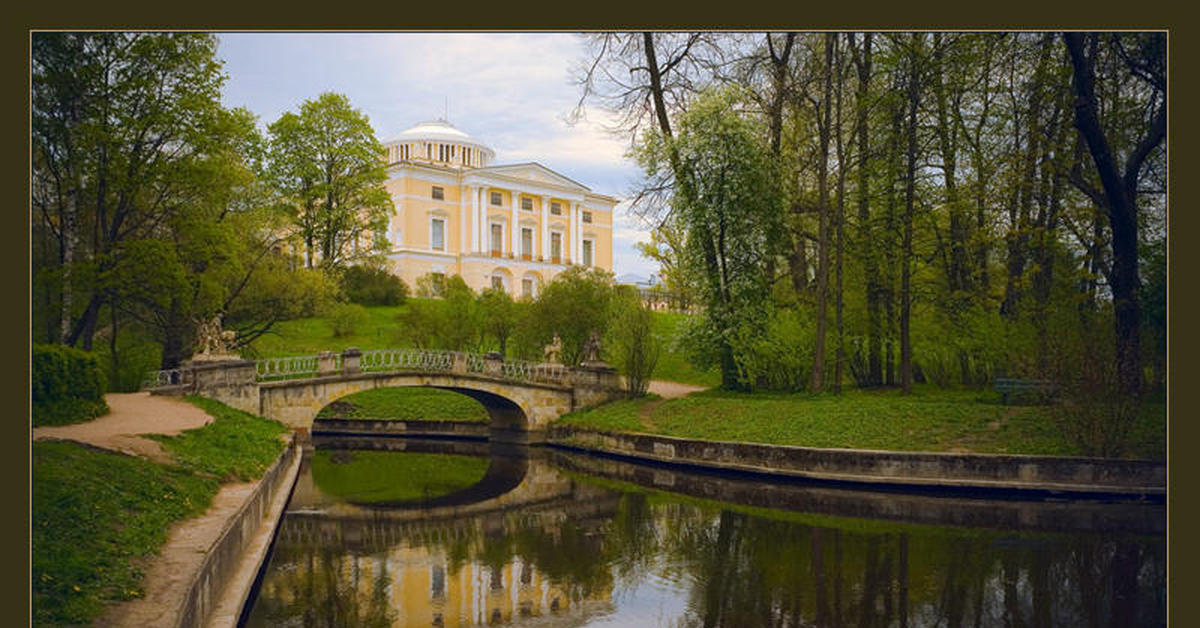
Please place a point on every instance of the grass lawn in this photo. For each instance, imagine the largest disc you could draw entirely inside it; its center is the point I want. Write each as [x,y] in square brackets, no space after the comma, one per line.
[406,404]
[306,336]
[372,477]
[672,365]
[97,515]
[928,420]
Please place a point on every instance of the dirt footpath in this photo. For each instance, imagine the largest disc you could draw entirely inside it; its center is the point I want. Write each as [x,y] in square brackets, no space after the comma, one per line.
[132,414]
[671,390]
[170,572]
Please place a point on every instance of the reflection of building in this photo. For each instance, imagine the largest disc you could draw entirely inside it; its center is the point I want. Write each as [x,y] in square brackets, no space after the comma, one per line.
[513,226]
[412,586]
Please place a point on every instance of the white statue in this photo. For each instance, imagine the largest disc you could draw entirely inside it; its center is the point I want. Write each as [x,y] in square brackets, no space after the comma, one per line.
[553,350]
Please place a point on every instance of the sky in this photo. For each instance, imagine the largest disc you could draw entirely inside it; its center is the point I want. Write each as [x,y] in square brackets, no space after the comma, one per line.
[511,91]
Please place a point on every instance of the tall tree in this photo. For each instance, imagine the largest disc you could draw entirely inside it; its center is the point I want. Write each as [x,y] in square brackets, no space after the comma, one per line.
[727,201]
[121,123]
[1143,57]
[328,167]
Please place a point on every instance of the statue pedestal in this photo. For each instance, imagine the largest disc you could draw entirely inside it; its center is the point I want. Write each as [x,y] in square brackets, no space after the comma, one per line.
[228,379]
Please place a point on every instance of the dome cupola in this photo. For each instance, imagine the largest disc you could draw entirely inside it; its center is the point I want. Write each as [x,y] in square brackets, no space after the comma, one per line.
[438,142]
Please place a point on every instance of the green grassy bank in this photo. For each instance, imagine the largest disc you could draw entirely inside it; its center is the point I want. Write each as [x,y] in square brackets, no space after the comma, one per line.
[930,419]
[98,516]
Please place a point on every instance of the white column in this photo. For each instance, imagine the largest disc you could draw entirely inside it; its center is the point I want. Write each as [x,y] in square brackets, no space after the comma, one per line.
[474,193]
[485,231]
[576,257]
[463,247]
[545,249]
[512,227]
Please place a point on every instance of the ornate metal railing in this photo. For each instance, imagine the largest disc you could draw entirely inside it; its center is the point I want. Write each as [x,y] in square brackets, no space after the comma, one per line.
[293,367]
[407,360]
[380,361]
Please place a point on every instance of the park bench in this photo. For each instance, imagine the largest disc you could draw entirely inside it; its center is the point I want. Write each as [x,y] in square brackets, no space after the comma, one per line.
[1040,389]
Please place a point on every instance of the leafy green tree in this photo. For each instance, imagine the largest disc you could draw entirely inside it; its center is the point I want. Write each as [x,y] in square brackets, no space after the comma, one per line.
[499,315]
[452,322]
[575,304]
[328,168]
[727,200]
[373,285]
[127,131]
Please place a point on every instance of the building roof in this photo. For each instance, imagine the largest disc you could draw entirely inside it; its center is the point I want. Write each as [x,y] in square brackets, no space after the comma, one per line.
[435,130]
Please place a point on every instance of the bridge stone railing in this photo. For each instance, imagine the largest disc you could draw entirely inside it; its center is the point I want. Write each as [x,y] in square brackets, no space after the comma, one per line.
[353,361]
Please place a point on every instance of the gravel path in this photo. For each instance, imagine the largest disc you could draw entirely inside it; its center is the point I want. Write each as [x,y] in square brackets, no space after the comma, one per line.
[671,390]
[132,414]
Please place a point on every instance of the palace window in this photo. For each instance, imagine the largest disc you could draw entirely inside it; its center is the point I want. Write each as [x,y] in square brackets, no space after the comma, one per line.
[556,246]
[497,283]
[527,204]
[497,239]
[556,209]
[587,252]
[437,234]
[527,292]
[496,198]
[526,242]
[439,193]
[587,216]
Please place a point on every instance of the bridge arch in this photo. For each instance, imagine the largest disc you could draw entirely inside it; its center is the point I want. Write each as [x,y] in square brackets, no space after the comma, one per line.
[516,407]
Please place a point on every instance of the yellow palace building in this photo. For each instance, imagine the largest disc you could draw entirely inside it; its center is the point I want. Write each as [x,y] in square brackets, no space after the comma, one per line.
[513,226]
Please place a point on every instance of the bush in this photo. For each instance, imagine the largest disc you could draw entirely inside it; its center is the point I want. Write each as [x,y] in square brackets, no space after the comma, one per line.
[346,318]
[366,285]
[635,348]
[779,357]
[65,373]
[68,385]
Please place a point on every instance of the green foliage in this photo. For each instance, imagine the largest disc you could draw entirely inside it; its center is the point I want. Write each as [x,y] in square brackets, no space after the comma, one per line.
[67,385]
[633,346]
[406,404]
[328,166]
[370,285]
[96,516]
[499,315]
[60,372]
[575,304]
[374,477]
[778,357]
[235,446]
[727,202]
[431,285]
[346,318]
[451,322]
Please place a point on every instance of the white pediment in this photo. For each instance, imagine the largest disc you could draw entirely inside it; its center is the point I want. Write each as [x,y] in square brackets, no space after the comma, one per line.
[536,172]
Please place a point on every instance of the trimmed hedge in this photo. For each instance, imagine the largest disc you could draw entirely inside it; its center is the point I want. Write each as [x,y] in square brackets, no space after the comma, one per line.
[68,385]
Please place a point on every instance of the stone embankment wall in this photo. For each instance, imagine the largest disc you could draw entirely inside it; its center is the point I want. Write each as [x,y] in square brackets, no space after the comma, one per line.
[366,427]
[225,556]
[1044,474]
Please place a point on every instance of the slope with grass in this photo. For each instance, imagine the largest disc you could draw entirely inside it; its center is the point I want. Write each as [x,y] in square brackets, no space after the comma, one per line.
[97,516]
[928,420]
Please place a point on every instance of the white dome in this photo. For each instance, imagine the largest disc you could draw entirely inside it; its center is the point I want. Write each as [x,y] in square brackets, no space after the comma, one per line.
[441,132]
[438,130]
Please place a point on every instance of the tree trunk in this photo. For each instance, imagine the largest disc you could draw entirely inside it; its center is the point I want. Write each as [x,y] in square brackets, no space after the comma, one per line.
[839,234]
[910,188]
[817,382]
[869,252]
[1120,194]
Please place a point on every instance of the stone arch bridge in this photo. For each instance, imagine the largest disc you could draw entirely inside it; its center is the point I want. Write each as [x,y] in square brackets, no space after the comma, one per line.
[519,396]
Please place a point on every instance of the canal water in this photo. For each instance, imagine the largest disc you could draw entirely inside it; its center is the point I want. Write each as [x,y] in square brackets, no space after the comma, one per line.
[404,532]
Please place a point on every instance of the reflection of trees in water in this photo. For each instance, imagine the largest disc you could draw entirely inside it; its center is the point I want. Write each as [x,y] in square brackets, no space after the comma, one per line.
[741,570]
[325,588]
[757,572]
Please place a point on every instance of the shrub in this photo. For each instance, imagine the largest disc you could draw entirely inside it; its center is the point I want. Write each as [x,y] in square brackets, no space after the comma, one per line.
[635,348]
[779,357]
[367,285]
[65,373]
[346,318]
[68,385]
